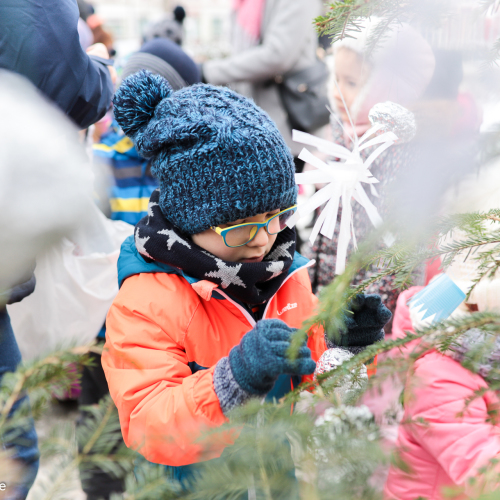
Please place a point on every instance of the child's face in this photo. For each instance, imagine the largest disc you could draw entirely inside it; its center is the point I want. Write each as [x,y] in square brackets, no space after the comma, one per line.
[351,74]
[253,251]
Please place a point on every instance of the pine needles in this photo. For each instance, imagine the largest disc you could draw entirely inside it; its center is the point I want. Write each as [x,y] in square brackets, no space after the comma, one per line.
[345,19]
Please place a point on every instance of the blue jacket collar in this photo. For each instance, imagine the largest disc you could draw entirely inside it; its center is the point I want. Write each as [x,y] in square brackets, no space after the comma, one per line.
[131,262]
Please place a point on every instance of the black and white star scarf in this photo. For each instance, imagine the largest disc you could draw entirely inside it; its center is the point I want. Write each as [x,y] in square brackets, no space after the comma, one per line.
[252,283]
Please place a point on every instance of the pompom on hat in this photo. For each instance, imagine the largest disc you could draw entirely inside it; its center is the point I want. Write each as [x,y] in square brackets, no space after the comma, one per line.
[218,157]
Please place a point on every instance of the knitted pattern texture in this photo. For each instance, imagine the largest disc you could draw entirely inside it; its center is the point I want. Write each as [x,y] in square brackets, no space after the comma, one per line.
[364,323]
[261,357]
[228,391]
[218,157]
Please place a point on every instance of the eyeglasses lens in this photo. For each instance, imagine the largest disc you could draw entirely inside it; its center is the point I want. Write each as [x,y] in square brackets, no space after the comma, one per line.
[240,235]
[274,225]
[277,224]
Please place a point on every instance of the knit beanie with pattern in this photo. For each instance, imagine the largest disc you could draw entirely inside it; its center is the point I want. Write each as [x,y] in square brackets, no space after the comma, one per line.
[217,156]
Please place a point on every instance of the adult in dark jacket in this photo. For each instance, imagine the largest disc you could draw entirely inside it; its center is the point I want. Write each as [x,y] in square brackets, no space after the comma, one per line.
[39,40]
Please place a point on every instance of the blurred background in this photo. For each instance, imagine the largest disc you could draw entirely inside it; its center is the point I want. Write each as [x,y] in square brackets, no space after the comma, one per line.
[207,26]
[206,34]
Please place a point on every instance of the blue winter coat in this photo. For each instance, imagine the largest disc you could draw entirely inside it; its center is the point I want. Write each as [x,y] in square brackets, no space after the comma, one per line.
[134,182]
[39,40]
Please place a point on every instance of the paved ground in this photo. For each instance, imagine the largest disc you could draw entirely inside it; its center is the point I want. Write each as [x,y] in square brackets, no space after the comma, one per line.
[57,416]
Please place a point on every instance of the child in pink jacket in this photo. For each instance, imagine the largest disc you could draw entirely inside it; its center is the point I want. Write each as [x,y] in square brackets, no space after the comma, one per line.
[446,443]
[456,441]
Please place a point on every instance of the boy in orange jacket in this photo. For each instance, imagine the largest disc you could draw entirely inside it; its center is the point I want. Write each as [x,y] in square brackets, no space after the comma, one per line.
[211,286]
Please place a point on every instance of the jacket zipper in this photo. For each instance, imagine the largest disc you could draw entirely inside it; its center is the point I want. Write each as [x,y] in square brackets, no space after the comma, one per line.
[309,264]
[243,310]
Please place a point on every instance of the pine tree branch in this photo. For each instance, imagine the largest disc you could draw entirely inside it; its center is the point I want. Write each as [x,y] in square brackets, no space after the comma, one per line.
[25,375]
[90,444]
[435,336]
[344,19]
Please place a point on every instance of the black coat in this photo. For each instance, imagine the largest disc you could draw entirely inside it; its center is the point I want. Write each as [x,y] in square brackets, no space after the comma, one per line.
[39,39]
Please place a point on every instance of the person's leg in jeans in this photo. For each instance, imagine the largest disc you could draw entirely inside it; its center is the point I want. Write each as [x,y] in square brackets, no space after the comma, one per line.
[96,483]
[23,442]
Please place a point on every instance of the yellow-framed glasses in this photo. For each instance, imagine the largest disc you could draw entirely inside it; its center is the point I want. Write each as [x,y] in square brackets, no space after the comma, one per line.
[241,234]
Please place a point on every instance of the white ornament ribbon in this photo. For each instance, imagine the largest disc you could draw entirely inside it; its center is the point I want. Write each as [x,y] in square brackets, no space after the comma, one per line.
[343,182]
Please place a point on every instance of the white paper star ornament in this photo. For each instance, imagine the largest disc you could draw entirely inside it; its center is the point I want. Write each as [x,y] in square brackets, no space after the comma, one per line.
[344,181]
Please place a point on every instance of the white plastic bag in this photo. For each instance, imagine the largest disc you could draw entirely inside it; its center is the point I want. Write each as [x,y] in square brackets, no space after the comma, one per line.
[76,284]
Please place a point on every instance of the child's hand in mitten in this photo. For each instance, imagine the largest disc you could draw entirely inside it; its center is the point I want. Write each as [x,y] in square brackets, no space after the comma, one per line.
[365,320]
[261,357]
[253,366]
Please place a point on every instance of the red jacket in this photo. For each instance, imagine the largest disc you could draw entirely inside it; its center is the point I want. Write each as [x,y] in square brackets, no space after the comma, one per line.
[160,332]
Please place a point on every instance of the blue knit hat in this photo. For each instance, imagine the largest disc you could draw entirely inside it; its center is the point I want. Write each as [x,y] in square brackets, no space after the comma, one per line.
[218,157]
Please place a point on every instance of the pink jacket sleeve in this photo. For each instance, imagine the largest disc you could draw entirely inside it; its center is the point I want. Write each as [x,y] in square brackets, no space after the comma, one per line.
[460,439]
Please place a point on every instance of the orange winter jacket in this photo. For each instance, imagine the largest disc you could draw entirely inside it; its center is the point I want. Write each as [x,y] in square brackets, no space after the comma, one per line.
[165,332]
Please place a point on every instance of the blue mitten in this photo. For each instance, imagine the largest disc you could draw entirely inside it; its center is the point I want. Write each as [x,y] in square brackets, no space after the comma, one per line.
[365,320]
[261,357]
